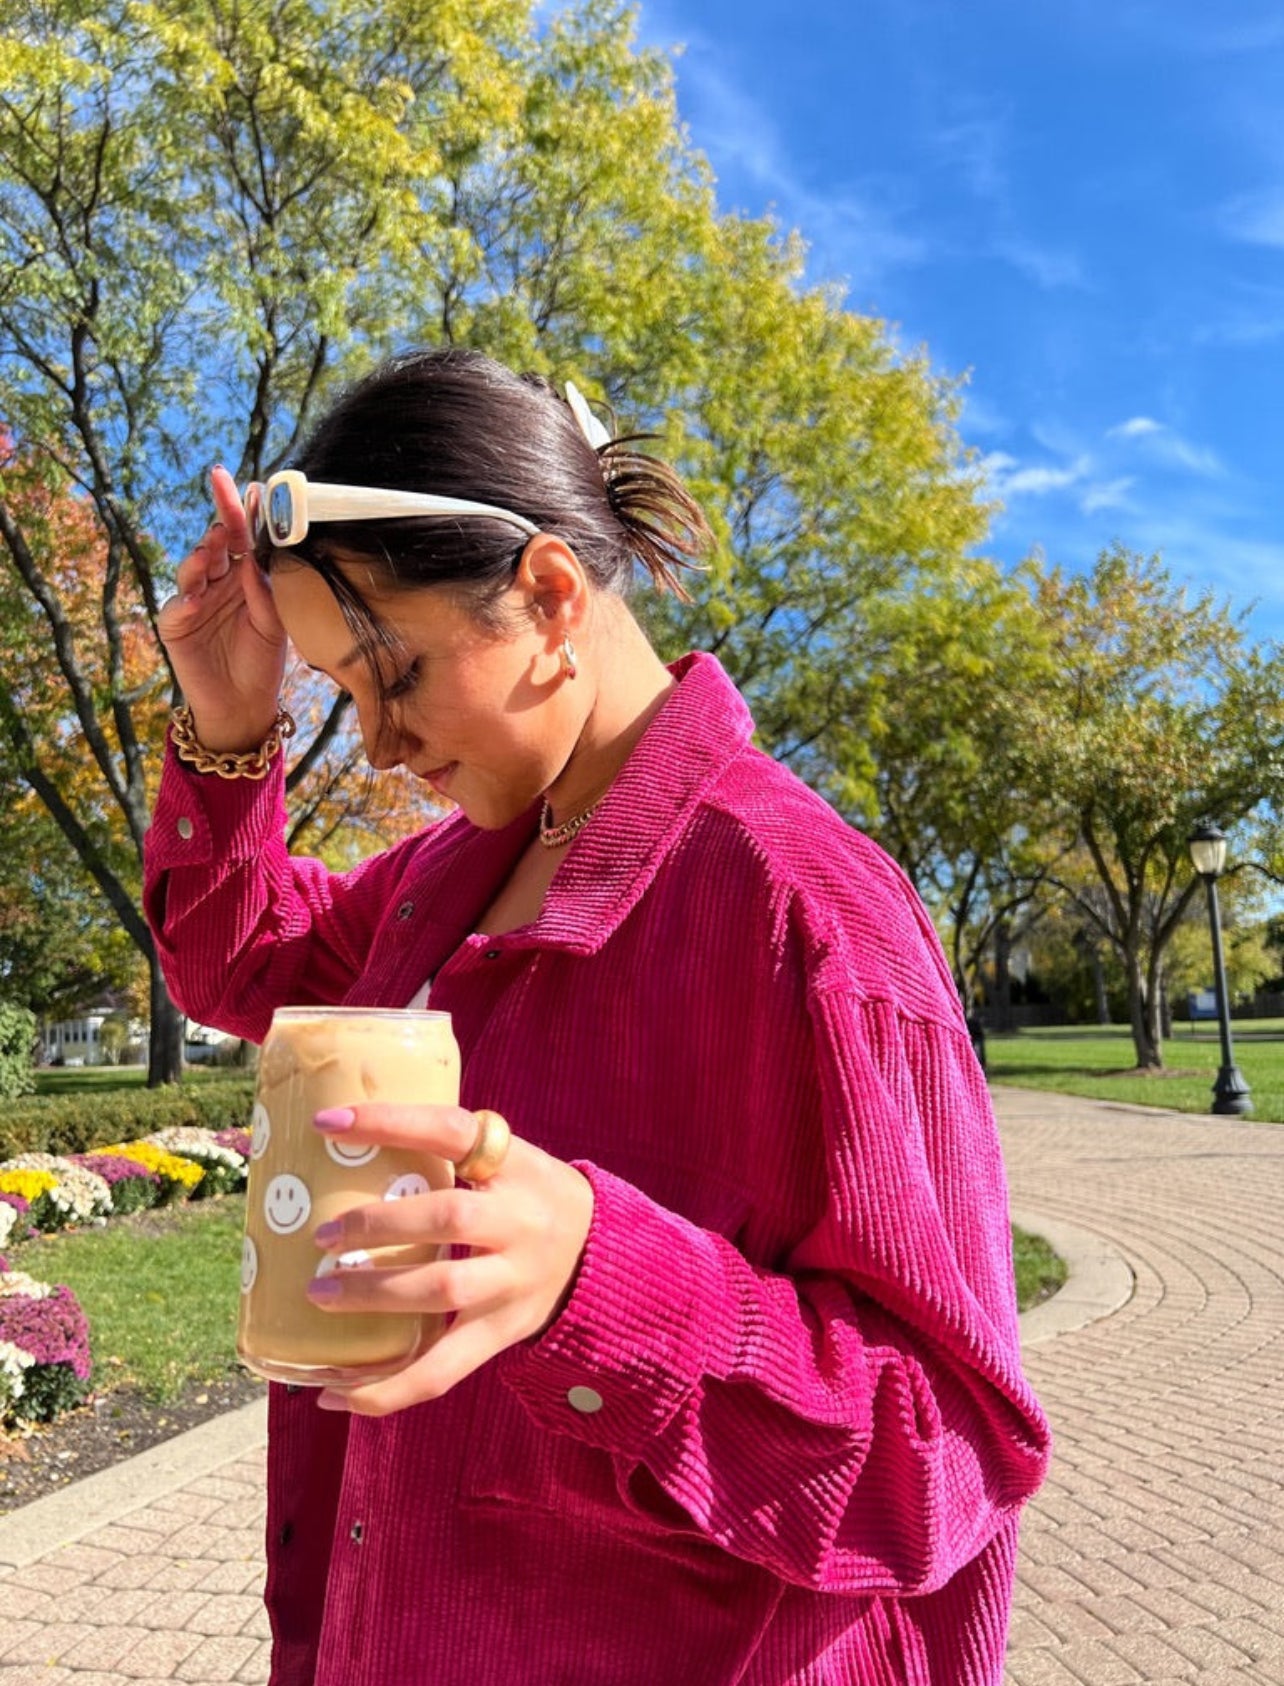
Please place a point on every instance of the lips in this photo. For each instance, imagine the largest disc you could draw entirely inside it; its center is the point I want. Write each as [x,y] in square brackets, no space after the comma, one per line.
[438,777]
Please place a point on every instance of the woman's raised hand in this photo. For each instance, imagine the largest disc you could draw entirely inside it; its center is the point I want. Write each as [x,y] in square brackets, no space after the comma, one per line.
[526,1228]
[223,634]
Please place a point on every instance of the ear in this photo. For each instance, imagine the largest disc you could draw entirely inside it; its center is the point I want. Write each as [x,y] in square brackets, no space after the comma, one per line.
[555,582]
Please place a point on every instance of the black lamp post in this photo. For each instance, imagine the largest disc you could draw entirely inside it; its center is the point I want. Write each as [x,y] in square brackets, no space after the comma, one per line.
[1208,851]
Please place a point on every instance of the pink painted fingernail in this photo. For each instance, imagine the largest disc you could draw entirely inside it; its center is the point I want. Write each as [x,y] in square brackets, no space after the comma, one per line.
[324,1234]
[334,1119]
[328,1401]
[324,1288]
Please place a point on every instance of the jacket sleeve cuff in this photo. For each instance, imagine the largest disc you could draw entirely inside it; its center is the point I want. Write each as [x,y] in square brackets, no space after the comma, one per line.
[199,817]
[649,1312]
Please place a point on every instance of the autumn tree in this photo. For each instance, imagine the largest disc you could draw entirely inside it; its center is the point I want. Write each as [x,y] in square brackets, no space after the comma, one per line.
[210,214]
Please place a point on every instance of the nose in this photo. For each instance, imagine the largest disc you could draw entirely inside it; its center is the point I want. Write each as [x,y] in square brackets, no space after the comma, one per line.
[379,736]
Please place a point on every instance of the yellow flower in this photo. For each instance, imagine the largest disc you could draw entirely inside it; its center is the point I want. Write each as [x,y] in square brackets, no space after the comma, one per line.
[167,1165]
[29,1184]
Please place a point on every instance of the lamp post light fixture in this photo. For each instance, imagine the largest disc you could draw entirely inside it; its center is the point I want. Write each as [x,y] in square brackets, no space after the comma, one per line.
[1231,1093]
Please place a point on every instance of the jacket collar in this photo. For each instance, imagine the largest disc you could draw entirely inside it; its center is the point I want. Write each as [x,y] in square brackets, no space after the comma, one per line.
[684,751]
[702,725]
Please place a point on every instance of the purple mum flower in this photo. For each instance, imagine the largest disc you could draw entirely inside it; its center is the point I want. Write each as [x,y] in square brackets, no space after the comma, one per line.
[113,1169]
[53,1330]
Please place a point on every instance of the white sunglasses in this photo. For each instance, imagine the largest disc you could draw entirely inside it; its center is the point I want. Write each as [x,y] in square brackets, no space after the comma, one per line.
[281,509]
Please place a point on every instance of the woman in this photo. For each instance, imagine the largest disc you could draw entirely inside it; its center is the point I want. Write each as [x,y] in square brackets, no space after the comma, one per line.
[732,1389]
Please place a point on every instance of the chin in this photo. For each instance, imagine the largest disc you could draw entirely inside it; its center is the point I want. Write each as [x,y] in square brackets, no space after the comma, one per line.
[495,814]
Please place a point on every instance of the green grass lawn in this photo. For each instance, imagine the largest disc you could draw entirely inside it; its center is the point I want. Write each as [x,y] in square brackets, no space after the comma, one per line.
[1039,1271]
[98,1079]
[1098,1061]
[160,1289]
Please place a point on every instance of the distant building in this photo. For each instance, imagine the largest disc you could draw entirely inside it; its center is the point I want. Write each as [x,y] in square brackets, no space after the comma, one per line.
[81,1040]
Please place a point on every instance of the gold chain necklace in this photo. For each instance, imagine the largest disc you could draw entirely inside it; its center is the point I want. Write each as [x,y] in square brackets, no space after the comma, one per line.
[553,836]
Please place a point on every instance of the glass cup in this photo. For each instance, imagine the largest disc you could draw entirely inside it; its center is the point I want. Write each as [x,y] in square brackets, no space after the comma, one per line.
[314,1058]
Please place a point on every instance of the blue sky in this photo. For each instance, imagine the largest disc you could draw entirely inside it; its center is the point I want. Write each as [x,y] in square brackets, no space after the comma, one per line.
[1079,206]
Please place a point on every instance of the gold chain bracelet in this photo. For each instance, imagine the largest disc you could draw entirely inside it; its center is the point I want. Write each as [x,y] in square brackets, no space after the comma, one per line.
[252,765]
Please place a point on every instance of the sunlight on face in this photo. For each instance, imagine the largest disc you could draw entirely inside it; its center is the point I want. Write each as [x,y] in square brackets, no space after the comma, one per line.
[474,712]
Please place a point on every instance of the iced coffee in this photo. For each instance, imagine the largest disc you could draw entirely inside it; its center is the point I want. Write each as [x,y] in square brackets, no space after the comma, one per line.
[315,1058]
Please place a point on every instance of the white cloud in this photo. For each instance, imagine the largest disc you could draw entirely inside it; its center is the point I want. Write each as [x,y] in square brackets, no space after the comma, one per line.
[851,231]
[1256,218]
[1110,494]
[1049,269]
[1136,427]
[974,146]
[1007,479]
[1166,447]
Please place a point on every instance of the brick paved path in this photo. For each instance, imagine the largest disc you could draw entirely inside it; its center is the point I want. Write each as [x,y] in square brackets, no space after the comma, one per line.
[1156,1551]
[173,1591]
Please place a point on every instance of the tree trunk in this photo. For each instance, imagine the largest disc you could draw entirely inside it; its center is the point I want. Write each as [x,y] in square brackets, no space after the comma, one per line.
[1165,1010]
[1143,1016]
[1099,985]
[165,1044]
[1001,1011]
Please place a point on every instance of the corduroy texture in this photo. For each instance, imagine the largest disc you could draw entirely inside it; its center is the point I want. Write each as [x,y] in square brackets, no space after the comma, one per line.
[796,1300]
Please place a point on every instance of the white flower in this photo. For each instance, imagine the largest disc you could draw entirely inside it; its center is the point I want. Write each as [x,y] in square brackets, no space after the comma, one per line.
[80,1193]
[8,1217]
[17,1282]
[190,1142]
[14,1361]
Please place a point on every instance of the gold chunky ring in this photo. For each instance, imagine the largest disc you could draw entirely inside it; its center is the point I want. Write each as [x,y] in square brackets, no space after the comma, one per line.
[489,1150]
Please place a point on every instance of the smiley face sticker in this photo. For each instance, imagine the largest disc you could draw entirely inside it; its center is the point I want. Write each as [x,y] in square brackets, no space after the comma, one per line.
[350,1153]
[401,1188]
[249,1265]
[260,1130]
[286,1205]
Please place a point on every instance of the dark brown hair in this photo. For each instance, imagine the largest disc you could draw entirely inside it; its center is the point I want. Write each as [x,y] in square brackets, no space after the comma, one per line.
[455,422]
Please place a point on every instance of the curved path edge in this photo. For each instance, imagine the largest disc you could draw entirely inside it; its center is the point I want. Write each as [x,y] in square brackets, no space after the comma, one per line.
[1099,1280]
[62,1518]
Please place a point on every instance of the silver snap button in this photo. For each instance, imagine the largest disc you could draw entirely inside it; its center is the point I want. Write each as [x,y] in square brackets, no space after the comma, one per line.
[356,1533]
[405,910]
[585,1399]
[185,828]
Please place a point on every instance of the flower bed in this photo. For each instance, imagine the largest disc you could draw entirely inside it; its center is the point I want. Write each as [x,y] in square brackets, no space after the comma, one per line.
[44,1350]
[44,1335]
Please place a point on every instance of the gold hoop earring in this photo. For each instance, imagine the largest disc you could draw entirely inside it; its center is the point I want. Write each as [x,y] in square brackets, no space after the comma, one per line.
[569,665]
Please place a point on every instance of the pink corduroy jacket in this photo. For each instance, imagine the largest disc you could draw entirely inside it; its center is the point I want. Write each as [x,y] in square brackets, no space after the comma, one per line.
[780,1433]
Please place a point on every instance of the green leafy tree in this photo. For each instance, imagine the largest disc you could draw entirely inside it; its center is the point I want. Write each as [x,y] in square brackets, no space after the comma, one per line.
[1156,712]
[210,214]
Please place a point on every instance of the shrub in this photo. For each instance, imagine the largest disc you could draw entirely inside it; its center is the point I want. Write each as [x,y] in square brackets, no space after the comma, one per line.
[17,1038]
[55,1332]
[72,1124]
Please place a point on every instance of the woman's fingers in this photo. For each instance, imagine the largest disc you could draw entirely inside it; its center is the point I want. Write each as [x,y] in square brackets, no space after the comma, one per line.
[447,1131]
[467,1345]
[446,1285]
[450,1217]
[227,501]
